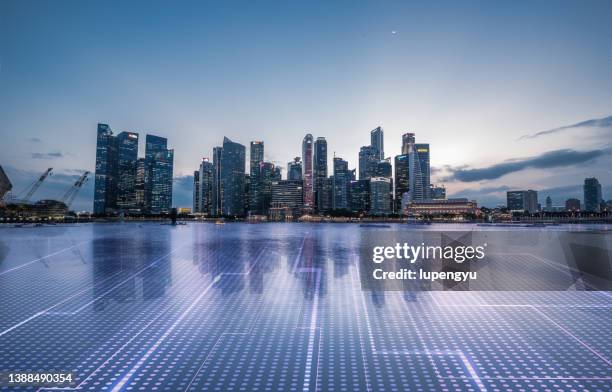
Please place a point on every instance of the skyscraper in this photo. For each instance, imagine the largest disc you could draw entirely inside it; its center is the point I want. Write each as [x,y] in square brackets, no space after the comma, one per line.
[359,196]
[159,162]
[105,185]
[266,177]
[216,199]
[140,184]
[320,167]
[124,182]
[592,195]
[294,169]
[325,194]
[342,176]
[408,140]
[320,158]
[422,154]
[377,143]
[307,172]
[127,152]
[401,179]
[368,159]
[256,157]
[380,202]
[232,178]
[206,173]
[383,169]
[196,192]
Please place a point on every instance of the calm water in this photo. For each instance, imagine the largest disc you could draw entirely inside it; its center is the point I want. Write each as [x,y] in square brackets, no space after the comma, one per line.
[275,307]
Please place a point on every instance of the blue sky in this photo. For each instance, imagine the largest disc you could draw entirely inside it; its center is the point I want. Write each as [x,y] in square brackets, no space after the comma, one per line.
[470,78]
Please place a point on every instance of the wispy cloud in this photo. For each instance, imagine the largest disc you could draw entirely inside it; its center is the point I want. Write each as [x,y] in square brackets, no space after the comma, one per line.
[47,155]
[550,159]
[605,122]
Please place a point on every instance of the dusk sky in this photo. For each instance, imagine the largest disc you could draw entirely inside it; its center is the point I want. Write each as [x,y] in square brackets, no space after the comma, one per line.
[510,95]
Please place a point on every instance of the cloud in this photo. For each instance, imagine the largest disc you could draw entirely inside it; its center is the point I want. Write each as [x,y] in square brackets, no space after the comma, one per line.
[48,155]
[551,159]
[34,140]
[605,122]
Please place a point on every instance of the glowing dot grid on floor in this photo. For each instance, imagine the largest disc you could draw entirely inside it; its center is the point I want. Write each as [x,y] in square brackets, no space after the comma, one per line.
[274,307]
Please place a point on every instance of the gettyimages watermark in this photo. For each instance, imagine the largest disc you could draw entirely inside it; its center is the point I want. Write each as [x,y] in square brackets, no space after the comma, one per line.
[485,260]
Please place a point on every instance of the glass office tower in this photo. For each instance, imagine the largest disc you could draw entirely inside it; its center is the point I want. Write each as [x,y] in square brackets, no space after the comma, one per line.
[307,172]
[159,161]
[256,157]
[233,162]
[105,183]
[342,176]
[592,195]
[401,179]
[127,152]
[377,143]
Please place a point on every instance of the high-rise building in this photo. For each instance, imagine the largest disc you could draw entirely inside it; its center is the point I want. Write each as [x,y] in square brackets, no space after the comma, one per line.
[255,158]
[342,176]
[572,205]
[159,162]
[408,141]
[127,155]
[592,195]
[324,194]
[266,177]
[380,202]
[294,169]
[359,196]
[320,158]
[307,172]
[383,169]
[247,192]
[377,143]
[320,167]
[105,186]
[126,183]
[206,173]
[196,192]
[522,201]
[232,178]
[216,199]
[422,153]
[402,184]
[287,199]
[140,184]
[368,159]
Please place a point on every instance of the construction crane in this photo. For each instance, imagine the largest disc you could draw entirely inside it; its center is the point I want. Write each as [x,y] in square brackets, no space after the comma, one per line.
[71,193]
[34,187]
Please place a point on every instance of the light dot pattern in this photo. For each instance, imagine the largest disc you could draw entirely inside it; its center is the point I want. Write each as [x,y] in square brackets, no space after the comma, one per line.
[274,307]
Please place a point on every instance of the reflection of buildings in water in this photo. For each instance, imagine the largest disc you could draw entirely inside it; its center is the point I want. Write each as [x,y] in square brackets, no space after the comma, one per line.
[378,298]
[118,258]
[311,267]
[410,296]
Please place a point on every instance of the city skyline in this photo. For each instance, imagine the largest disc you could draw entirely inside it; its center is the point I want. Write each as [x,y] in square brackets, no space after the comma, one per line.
[502,112]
